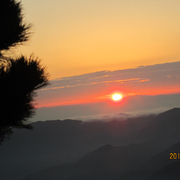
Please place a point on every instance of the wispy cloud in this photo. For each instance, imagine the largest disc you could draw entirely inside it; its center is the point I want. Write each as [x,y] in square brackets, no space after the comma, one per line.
[100,82]
[154,79]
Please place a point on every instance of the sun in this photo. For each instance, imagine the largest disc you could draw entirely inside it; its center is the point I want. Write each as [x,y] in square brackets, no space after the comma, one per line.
[117,97]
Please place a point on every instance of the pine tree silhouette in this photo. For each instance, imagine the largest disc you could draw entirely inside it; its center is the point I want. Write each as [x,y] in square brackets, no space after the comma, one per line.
[12,29]
[19,77]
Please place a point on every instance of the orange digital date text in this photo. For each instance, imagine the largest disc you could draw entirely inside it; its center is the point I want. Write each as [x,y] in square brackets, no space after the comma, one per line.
[174,156]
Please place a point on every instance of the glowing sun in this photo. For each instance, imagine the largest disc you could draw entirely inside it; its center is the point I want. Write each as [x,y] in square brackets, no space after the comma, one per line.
[116,97]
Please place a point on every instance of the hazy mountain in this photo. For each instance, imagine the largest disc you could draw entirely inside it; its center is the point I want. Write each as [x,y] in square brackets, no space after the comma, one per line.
[109,162]
[159,165]
[106,162]
[171,171]
[163,158]
[113,163]
[56,172]
[57,142]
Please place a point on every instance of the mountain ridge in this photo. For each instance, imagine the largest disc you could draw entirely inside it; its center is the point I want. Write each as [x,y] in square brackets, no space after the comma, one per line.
[57,142]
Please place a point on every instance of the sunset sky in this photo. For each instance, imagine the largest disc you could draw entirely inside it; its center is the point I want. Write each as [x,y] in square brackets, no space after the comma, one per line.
[74,37]
[93,48]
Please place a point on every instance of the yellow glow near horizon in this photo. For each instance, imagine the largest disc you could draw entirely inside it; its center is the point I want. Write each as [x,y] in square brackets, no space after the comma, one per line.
[77,37]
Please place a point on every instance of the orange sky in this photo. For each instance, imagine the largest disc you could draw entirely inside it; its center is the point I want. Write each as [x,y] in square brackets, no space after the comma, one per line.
[78,37]
[106,97]
[94,48]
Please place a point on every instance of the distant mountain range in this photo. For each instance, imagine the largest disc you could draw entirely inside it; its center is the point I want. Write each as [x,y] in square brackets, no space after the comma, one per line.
[113,163]
[135,148]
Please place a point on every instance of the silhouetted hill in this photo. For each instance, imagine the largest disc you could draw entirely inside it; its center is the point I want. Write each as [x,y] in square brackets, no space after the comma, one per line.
[62,172]
[156,166]
[169,122]
[57,142]
[165,125]
[169,172]
[175,113]
[113,163]
[110,162]
[105,163]
[163,158]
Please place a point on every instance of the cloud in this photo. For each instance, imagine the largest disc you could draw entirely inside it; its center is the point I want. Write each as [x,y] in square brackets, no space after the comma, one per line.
[149,80]
[99,82]
[142,73]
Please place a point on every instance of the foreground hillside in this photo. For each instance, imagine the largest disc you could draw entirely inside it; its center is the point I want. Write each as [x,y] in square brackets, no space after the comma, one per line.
[74,149]
[113,163]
